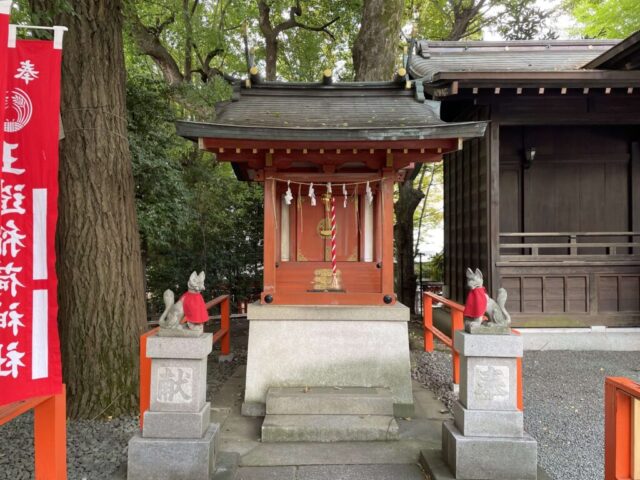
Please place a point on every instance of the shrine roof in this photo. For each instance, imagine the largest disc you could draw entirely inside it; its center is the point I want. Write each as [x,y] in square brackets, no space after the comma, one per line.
[433,59]
[338,112]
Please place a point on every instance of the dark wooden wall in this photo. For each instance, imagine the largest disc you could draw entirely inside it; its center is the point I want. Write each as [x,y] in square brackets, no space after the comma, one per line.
[581,180]
[585,178]
[578,181]
[466,215]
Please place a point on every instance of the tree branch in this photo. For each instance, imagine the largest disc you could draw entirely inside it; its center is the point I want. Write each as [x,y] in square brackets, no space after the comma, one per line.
[321,28]
[148,41]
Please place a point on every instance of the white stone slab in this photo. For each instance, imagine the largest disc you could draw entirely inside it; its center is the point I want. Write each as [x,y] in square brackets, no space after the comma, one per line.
[382,313]
[328,353]
[179,347]
[476,345]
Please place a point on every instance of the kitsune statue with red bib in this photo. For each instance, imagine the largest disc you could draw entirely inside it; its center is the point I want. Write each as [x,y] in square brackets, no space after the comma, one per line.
[187,316]
[478,303]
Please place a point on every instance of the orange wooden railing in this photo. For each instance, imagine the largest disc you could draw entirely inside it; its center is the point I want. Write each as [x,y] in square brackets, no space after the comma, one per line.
[621,429]
[457,323]
[223,335]
[50,432]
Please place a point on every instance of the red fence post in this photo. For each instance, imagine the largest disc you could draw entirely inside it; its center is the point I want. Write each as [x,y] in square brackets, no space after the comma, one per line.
[427,316]
[50,438]
[457,323]
[225,325]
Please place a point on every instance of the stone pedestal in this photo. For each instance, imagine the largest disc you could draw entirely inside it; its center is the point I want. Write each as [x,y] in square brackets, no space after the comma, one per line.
[486,440]
[328,346]
[177,441]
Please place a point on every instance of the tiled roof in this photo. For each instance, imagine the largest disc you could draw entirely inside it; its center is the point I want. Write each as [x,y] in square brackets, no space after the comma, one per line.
[518,56]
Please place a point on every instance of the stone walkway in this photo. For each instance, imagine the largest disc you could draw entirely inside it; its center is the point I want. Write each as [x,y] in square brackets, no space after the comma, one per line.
[240,442]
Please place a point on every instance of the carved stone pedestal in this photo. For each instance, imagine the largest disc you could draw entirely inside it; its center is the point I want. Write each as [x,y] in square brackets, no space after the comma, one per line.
[486,440]
[177,442]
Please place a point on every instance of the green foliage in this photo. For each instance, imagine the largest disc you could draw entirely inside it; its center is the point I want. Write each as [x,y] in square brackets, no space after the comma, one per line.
[192,212]
[525,20]
[605,18]
[429,215]
[433,269]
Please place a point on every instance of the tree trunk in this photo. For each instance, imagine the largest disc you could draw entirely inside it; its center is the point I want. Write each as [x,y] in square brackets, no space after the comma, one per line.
[101,296]
[376,47]
[271,50]
[408,200]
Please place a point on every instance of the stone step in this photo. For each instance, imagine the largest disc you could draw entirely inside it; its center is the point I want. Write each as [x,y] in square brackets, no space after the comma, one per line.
[329,401]
[329,428]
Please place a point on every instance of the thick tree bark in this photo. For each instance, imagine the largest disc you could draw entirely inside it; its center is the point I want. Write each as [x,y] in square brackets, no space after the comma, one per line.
[376,47]
[408,200]
[101,296]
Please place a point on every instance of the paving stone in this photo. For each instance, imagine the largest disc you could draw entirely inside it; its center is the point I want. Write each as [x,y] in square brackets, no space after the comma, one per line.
[266,473]
[329,401]
[328,428]
[360,472]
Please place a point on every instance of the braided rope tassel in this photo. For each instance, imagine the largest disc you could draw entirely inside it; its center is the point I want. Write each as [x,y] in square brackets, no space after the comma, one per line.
[334,252]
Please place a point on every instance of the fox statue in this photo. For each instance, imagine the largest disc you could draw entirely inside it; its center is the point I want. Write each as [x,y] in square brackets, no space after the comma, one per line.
[479,303]
[190,307]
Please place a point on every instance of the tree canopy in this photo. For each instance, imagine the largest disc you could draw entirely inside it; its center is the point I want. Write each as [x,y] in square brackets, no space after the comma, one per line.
[605,18]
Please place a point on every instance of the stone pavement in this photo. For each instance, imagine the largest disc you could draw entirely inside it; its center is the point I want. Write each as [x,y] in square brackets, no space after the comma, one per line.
[245,457]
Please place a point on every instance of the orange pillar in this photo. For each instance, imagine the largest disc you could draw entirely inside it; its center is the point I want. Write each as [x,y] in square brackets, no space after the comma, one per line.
[269,263]
[50,438]
[427,315]
[457,323]
[387,232]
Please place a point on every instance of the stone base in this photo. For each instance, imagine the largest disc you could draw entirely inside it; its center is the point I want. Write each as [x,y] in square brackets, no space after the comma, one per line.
[432,462]
[173,459]
[489,458]
[328,346]
[488,423]
[487,329]
[176,424]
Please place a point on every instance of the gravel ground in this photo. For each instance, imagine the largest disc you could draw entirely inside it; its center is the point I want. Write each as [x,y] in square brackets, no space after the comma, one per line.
[95,448]
[563,403]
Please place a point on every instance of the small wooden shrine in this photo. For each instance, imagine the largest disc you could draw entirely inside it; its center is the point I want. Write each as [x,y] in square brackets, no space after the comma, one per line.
[328,156]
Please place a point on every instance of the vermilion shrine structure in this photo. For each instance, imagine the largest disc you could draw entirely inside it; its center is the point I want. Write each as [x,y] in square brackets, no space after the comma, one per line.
[345,145]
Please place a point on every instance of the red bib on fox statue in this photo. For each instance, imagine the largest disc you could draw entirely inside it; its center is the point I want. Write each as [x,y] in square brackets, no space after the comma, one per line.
[194,307]
[476,305]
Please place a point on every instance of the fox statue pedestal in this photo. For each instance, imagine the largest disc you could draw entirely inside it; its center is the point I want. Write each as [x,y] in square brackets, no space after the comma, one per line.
[178,442]
[486,440]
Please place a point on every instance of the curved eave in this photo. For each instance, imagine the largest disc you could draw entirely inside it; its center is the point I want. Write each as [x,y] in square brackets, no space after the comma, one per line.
[530,78]
[196,130]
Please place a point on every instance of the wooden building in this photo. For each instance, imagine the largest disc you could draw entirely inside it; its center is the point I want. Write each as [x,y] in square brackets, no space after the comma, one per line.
[547,203]
[349,143]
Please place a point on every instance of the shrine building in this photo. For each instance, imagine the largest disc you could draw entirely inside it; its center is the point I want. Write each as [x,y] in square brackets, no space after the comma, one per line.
[328,155]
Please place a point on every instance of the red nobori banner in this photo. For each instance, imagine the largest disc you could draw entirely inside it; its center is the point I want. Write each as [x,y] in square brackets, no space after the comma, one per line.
[29,346]
[5,8]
